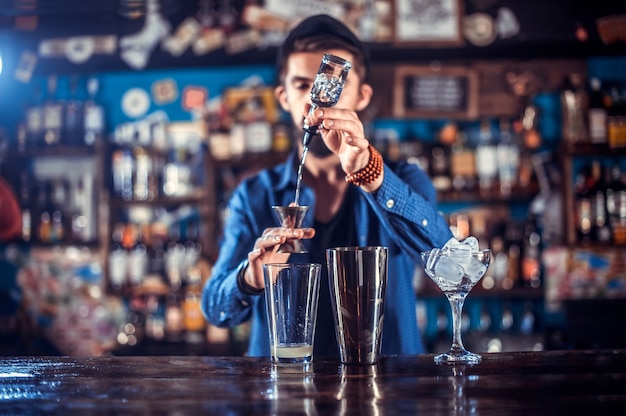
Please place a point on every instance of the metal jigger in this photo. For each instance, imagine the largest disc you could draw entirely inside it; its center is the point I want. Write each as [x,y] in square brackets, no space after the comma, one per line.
[291,217]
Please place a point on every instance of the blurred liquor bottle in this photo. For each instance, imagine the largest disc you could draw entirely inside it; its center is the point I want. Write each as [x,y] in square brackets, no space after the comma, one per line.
[34,120]
[600,230]
[574,104]
[73,116]
[582,204]
[616,205]
[52,115]
[508,156]
[93,116]
[486,160]
[462,164]
[597,114]
[616,120]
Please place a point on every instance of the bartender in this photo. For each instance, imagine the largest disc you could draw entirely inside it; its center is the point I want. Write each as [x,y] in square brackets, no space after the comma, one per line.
[356,198]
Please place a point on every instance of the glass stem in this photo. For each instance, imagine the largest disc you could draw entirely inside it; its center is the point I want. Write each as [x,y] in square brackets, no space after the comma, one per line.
[456,303]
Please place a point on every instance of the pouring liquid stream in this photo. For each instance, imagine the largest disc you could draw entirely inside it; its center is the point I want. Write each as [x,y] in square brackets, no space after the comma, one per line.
[309,132]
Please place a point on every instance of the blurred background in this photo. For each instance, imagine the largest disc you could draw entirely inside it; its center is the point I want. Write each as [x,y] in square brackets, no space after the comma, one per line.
[126,124]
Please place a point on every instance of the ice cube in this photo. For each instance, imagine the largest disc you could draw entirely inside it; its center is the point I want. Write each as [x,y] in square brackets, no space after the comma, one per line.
[460,253]
[472,242]
[451,243]
[448,270]
[474,269]
[432,259]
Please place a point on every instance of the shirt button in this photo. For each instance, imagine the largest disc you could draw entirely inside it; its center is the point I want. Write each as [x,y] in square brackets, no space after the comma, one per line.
[424,222]
[222,315]
[390,203]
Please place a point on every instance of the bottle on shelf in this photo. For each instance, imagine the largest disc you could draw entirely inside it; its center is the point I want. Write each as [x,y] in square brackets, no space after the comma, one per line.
[440,168]
[93,118]
[600,230]
[83,218]
[193,320]
[156,250]
[122,170]
[174,257]
[597,115]
[59,203]
[118,260]
[144,187]
[500,264]
[52,115]
[34,120]
[486,160]
[462,164]
[193,248]
[174,319]
[73,113]
[514,237]
[42,213]
[137,255]
[155,317]
[508,158]
[616,118]
[531,256]
[582,205]
[25,200]
[574,104]
[616,205]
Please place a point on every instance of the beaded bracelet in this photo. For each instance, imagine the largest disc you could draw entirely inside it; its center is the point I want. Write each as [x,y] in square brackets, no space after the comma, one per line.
[370,172]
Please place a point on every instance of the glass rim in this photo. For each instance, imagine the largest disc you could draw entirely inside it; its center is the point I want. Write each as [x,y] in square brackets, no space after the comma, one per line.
[329,57]
[357,248]
[291,206]
[301,264]
[438,251]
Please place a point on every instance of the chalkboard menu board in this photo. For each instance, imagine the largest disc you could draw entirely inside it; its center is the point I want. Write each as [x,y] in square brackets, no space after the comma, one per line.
[443,93]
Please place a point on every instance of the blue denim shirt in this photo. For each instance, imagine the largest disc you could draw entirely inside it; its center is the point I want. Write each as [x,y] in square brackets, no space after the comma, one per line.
[404,211]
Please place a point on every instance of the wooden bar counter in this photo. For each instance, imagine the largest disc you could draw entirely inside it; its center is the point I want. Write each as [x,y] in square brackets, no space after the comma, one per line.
[525,383]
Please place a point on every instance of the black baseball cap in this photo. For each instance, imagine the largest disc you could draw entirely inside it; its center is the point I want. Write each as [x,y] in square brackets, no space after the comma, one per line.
[322,24]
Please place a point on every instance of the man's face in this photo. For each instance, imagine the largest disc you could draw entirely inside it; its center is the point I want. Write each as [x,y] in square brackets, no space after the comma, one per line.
[301,68]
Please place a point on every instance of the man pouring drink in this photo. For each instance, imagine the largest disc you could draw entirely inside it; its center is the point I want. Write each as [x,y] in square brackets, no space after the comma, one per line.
[355,198]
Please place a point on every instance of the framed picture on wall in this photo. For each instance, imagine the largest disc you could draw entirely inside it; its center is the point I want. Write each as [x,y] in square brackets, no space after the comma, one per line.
[422,92]
[428,22]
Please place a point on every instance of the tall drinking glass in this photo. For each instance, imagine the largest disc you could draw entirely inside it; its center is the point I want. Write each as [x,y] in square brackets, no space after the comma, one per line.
[291,297]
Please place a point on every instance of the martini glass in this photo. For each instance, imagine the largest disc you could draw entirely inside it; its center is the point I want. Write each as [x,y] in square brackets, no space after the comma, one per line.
[291,217]
[455,271]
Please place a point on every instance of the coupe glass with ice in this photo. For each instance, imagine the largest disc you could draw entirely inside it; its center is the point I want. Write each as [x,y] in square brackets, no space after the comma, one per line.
[456,268]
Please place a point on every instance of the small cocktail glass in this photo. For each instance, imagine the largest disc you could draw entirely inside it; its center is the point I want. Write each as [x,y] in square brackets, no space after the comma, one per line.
[291,217]
[455,272]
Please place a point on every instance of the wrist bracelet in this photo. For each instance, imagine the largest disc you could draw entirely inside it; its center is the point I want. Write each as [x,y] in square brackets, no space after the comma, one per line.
[243,286]
[370,172]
